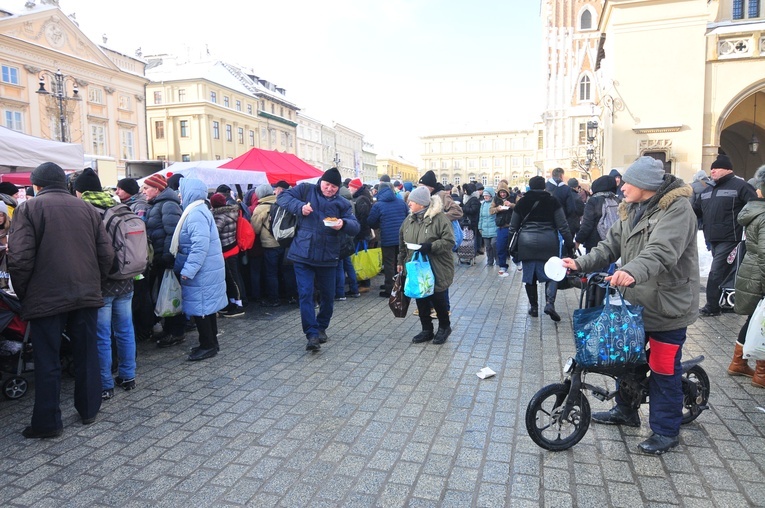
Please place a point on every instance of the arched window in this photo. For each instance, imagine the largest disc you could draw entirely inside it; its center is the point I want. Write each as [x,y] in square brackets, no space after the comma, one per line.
[585,22]
[584,89]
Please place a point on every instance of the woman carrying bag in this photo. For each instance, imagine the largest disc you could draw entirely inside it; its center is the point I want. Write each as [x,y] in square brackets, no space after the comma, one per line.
[429,228]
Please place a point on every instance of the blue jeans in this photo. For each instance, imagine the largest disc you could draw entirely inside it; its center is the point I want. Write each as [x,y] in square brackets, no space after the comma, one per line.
[116,315]
[345,269]
[502,244]
[325,283]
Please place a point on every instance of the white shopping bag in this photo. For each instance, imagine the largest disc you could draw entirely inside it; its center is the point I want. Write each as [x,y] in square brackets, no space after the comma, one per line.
[754,348]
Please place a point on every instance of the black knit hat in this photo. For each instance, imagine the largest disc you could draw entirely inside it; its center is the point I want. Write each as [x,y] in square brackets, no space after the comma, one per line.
[174,181]
[88,181]
[48,174]
[8,188]
[537,183]
[332,175]
[129,185]
[429,179]
[281,183]
[722,162]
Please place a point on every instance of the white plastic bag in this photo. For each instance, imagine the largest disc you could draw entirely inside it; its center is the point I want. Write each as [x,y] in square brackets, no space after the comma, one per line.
[754,348]
[169,297]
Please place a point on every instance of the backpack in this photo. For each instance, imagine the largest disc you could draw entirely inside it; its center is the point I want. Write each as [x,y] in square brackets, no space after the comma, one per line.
[129,240]
[608,216]
[282,225]
[245,235]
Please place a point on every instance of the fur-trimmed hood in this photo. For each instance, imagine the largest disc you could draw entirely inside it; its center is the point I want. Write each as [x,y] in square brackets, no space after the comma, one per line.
[436,206]
[673,188]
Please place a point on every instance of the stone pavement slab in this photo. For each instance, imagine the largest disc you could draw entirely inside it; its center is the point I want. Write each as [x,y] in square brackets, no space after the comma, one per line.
[374,420]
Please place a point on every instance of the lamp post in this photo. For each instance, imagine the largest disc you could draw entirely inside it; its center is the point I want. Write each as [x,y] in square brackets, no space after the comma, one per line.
[58,92]
[754,143]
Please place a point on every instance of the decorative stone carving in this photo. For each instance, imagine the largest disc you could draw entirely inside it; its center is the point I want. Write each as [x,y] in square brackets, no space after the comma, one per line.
[32,69]
[54,34]
[109,90]
[138,98]
[655,145]
[734,47]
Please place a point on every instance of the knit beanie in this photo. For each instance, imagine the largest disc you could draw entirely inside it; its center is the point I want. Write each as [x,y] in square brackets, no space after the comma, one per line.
[699,175]
[332,175]
[48,174]
[605,183]
[157,181]
[88,181]
[408,186]
[356,182]
[385,178]
[264,190]
[281,183]
[429,179]
[645,173]
[722,162]
[537,183]
[129,185]
[759,179]
[217,200]
[174,181]
[8,188]
[420,195]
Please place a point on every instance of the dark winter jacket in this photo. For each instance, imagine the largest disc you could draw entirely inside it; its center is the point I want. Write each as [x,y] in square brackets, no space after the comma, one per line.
[161,220]
[225,221]
[502,217]
[388,213]
[562,192]
[538,238]
[362,201]
[314,243]
[574,219]
[750,278]
[471,210]
[660,252]
[593,210]
[719,205]
[59,254]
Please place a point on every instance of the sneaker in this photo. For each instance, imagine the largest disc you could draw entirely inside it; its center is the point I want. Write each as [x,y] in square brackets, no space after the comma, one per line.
[416,312]
[125,384]
[441,335]
[232,310]
[170,340]
[519,266]
[503,273]
[384,294]
[352,294]
[313,344]
[341,298]
[618,415]
[658,444]
[706,312]
[107,394]
[323,336]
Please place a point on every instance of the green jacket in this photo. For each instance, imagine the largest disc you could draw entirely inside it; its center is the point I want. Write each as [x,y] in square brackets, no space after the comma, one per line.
[750,278]
[434,228]
[660,253]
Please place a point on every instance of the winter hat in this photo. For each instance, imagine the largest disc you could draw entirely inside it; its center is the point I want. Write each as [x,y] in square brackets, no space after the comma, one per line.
[281,183]
[157,181]
[573,183]
[385,178]
[346,182]
[223,189]
[174,181]
[479,186]
[537,183]
[605,183]
[645,173]
[129,185]
[408,186]
[615,173]
[48,174]
[429,179]
[217,200]
[345,192]
[8,188]
[470,188]
[88,181]
[3,208]
[420,195]
[759,178]
[356,182]
[332,175]
[722,162]
[699,175]
[264,190]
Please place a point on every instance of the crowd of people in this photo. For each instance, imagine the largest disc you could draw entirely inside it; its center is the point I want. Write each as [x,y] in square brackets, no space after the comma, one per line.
[647,219]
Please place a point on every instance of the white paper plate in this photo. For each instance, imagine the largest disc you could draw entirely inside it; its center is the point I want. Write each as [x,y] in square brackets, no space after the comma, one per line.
[413,246]
[331,223]
[554,269]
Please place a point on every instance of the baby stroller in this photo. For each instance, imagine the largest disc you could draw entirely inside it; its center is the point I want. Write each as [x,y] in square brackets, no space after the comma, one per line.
[728,287]
[15,347]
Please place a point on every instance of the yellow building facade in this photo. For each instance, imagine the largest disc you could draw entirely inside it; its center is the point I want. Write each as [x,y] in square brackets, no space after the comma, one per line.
[41,45]
[397,168]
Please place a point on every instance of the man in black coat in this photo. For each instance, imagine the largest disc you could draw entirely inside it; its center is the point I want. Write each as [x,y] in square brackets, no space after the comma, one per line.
[718,205]
[558,188]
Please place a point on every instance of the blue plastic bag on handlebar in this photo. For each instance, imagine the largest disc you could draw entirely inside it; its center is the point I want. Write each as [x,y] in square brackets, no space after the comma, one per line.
[610,336]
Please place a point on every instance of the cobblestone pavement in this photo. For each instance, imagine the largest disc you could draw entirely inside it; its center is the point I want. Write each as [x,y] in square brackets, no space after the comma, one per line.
[374,420]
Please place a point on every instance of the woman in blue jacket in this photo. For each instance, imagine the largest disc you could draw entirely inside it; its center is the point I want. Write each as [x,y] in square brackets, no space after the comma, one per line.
[200,267]
[388,213]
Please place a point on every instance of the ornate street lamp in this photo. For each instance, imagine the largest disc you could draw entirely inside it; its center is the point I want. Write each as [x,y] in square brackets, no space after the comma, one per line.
[754,143]
[58,92]
[592,130]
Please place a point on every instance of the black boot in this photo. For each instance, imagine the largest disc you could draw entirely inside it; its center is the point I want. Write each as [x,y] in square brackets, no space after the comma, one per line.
[551,289]
[531,293]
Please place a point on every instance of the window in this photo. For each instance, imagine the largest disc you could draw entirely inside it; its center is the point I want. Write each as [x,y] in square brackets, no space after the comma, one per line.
[273,137]
[515,161]
[216,130]
[485,145]
[14,120]
[484,180]
[157,97]
[159,129]
[497,162]
[98,140]
[515,144]
[457,180]
[457,164]
[584,88]
[484,163]
[10,75]
[225,101]
[746,9]
[585,22]
[433,165]
[527,161]
[229,132]
[444,164]
[582,133]
[185,158]
[181,95]
[540,140]
[273,109]
[125,103]
[262,105]
[126,138]
[252,138]
[472,146]
[263,134]
[496,181]
[240,135]
[249,109]
[184,128]
[96,95]
[459,146]
[499,145]
[214,97]
[284,139]
[281,112]
[238,105]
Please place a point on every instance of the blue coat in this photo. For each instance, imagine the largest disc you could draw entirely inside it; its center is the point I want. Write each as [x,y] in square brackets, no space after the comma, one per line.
[314,243]
[161,220]
[200,257]
[487,223]
[388,213]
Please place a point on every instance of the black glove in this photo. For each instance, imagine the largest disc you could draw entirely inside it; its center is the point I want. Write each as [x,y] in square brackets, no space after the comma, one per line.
[425,248]
[168,261]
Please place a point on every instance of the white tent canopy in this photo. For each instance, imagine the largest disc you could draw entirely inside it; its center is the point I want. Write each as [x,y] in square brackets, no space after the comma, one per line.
[21,152]
[211,175]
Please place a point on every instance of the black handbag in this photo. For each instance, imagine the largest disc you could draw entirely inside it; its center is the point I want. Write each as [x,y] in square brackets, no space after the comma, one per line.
[398,301]
[513,247]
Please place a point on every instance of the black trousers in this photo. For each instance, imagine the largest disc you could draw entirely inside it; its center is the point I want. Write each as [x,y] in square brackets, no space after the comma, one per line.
[718,272]
[207,326]
[82,328]
[440,302]
[389,259]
